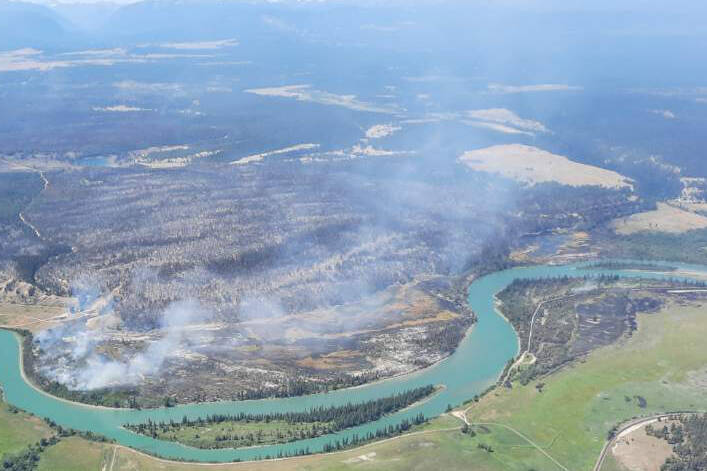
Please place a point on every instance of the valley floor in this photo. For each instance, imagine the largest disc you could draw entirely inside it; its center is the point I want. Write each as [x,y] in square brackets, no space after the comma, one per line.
[562,425]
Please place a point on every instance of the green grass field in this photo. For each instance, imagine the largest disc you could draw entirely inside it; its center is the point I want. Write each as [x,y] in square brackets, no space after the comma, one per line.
[665,362]
[435,450]
[18,430]
[76,454]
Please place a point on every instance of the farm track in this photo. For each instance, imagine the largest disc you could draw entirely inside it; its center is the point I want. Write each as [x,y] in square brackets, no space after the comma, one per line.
[629,426]
[462,416]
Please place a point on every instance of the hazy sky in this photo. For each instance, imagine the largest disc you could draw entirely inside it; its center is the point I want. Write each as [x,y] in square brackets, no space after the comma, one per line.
[611,5]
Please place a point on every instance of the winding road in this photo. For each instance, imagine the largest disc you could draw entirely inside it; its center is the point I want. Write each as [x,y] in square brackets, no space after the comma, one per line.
[521,357]
[630,427]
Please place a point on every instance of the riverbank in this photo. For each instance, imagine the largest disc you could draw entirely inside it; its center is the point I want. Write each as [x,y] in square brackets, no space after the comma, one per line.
[655,371]
[474,367]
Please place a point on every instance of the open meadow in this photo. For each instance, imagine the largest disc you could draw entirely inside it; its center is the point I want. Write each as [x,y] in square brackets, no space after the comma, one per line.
[661,368]
[18,430]
[560,421]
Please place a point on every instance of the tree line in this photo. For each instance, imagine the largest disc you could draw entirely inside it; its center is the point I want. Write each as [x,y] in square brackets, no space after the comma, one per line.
[689,440]
[336,417]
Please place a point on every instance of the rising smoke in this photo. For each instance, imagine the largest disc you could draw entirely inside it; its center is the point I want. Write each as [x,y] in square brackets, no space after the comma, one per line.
[74,352]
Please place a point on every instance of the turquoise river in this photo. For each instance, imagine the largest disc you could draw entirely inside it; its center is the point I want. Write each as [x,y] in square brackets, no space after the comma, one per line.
[475,365]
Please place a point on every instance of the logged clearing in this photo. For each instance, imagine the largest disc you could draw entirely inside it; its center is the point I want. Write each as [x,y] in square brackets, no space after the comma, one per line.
[531,165]
[505,120]
[665,218]
[381,130]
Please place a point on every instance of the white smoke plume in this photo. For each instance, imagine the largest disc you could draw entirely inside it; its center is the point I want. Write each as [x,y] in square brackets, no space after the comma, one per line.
[72,353]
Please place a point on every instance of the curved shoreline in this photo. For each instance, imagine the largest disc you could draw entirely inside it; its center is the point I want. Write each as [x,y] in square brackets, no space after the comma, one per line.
[36,387]
[289,458]
[383,381]
[418,370]
[497,307]
[389,378]
[476,365]
[438,389]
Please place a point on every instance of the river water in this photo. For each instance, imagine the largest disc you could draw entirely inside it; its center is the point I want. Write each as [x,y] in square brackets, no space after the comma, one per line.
[475,365]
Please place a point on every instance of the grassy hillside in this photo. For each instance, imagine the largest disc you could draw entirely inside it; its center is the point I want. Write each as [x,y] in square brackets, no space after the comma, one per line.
[661,368]
[440,446]
[76,454]
[18,430]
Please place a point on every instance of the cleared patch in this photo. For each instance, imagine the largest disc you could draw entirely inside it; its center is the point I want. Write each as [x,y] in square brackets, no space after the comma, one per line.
[504,120]
[260,157]
[307,93]
[381,130]
[666,218]
[119,109]
[638,451]
[361,458]
[531,165]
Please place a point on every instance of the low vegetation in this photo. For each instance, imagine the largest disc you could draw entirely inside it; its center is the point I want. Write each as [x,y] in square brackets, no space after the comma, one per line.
[531,165]
[663,362]
[77,454]
[574,316]
[28,443]
[18,430]
[690,247]
[689,440]
[664,219]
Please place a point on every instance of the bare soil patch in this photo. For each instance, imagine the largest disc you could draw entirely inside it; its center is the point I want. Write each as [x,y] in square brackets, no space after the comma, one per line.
[32,318]
[531,165]
[664,219]
[638,451]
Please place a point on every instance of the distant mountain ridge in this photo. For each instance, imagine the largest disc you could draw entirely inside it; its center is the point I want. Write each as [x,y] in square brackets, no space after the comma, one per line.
[31,25]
